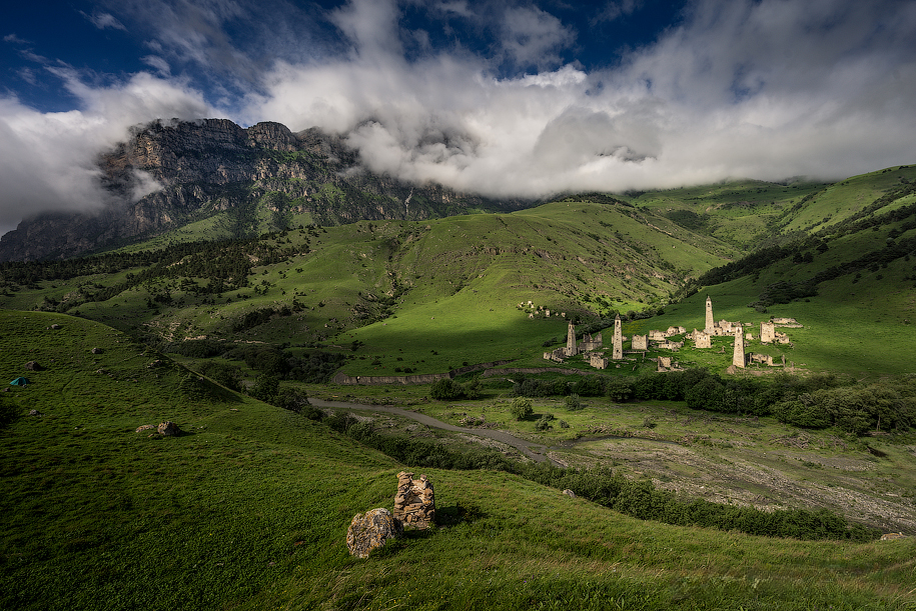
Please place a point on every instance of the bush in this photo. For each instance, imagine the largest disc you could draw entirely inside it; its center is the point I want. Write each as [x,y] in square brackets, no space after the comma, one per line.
[573,403]
[521,408]
[543,423]
[446,389]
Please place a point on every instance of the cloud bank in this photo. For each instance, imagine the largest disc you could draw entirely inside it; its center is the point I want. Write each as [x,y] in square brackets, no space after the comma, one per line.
[734,88]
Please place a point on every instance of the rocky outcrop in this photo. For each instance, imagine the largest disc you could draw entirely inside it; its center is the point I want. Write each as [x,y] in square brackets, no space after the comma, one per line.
[415,501]
[172,173]
[168,429]
[371,530]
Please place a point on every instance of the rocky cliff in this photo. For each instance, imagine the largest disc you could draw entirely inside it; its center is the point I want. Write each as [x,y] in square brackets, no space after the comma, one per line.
[257,179]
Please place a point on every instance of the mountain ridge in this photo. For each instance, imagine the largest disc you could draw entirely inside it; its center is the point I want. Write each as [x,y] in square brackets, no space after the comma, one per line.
[261,178]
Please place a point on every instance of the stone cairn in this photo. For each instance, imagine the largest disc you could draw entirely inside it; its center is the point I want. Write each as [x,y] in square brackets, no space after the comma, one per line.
[415,502]
[414,505]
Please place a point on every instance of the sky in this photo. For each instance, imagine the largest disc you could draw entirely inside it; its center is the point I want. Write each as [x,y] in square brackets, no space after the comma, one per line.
[507,98]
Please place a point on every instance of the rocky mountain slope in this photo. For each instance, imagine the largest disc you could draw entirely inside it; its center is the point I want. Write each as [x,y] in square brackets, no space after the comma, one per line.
[257,179]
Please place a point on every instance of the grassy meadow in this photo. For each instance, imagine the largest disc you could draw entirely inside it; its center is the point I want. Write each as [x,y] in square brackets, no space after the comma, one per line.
[248,509]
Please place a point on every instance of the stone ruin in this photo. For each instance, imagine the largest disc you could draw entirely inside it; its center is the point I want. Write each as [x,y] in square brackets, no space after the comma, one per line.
[414,506]
[415,501]
[591,345]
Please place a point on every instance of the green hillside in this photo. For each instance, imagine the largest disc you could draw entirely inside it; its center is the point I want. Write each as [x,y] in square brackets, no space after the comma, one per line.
[248,509]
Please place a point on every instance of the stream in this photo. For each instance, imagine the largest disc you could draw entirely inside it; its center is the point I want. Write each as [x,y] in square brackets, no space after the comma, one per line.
[535,451]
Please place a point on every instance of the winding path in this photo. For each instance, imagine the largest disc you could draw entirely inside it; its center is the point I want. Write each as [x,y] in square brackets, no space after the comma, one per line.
[535,451]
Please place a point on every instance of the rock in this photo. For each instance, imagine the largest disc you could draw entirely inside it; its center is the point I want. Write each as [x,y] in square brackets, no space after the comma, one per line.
[372,530]
[892,536]
[55,326]
[35,412]
[168,428]
[145,427]
[33,366]
[415,501]
[96,351]
[569,493]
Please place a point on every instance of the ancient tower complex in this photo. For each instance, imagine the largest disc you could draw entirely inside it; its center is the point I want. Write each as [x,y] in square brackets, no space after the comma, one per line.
[710,321]
[738,359]
[617,353]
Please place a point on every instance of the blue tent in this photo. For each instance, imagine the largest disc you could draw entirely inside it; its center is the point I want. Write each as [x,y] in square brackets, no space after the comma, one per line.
[20,381]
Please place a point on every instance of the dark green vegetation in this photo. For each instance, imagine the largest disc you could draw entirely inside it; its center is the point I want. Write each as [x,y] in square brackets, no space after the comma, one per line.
[256,499]
[249,507]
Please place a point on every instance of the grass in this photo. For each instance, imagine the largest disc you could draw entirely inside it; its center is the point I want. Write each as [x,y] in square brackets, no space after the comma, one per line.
[248,510]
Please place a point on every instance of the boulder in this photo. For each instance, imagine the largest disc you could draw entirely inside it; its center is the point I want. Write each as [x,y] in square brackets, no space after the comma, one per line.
[33,366]
[371,530]
[145,427]
[96,351]
[168,428]
[415,501]
[569,493]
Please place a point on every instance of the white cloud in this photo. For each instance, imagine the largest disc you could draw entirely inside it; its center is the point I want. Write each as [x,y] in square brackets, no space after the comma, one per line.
[739,88]
[532,37]
[104,20]
[47,160]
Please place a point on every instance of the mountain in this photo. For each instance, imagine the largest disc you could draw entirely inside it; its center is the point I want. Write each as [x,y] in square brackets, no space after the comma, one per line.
[234,183]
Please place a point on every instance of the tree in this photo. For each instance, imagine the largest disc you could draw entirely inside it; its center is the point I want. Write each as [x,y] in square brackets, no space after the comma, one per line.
[521,408]
[265,388]
[446,389]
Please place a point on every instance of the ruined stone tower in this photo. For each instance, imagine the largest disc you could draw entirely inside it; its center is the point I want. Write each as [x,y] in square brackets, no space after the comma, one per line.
[710,321]
[738,359]
[571,349]
[617,353]
[767,332]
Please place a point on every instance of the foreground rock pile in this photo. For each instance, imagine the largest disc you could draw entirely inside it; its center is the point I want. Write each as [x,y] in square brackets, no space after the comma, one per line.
[414,507]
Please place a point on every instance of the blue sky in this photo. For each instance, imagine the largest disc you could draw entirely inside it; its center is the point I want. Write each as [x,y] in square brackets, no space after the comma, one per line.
[507,98]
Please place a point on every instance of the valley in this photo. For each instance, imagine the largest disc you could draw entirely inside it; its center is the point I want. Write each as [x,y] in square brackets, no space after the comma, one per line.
[227,338]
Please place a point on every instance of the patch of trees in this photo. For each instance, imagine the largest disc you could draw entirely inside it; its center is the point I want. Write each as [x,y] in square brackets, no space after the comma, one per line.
[314,367]
[689,219]
[817,401]
[447,389]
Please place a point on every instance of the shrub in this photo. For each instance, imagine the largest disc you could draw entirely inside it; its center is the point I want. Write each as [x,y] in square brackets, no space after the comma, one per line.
[573,403]
[543,423]
[446,389]
[521,408]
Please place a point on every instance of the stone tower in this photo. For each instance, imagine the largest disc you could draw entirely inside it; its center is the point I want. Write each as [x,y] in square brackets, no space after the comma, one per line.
[738,357]
[767,332]
[710,321]
[571,349]
[617,354]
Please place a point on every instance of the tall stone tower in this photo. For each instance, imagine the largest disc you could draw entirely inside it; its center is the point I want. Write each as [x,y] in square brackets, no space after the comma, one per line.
[571,349]
[617,353]
[738,357]
[710,321]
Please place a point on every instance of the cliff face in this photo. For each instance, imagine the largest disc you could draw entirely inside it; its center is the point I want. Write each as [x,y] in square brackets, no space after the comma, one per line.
[169,174]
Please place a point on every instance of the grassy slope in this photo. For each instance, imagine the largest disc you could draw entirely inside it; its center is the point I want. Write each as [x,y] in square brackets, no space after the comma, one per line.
[454,283]
[249,511]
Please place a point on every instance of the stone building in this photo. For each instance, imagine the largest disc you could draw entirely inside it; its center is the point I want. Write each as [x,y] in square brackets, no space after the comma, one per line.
[640,342]
[701,339]
[710,321]
[617,351]
[571,348]
[739,358]
[767,332]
